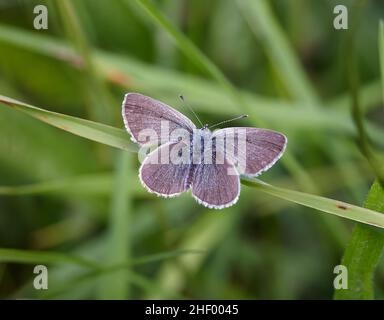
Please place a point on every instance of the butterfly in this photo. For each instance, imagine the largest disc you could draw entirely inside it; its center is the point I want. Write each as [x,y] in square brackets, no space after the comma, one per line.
[212,160]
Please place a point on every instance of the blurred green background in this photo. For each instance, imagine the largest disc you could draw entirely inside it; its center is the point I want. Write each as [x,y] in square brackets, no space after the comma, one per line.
[61,193]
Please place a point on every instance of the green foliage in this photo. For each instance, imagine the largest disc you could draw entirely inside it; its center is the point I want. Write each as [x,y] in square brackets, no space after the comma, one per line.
[77,206]
[363,253]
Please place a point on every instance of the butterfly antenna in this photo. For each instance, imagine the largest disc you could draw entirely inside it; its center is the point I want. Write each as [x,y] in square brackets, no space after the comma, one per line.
[190,109]
[226,121]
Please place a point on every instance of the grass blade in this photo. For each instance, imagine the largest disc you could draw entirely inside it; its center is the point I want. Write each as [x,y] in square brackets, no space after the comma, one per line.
[260,19]
[131,277]
[189,49]
[98,132]
[114,286]
[323,204]
[206,232]
[381,55]
[99,184]
[85,184]
[35,257]
[95,90]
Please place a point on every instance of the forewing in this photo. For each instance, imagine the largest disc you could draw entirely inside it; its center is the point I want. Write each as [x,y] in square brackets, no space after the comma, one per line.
[142,113]
[160,175]
[216,185]
[253,150]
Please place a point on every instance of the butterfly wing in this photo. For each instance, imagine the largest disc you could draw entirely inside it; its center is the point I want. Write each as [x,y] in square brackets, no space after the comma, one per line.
[142,113]
[253,150]
[160,174]
[216,185]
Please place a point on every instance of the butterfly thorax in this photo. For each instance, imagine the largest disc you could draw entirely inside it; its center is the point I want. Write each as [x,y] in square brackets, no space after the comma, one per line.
[202,146]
